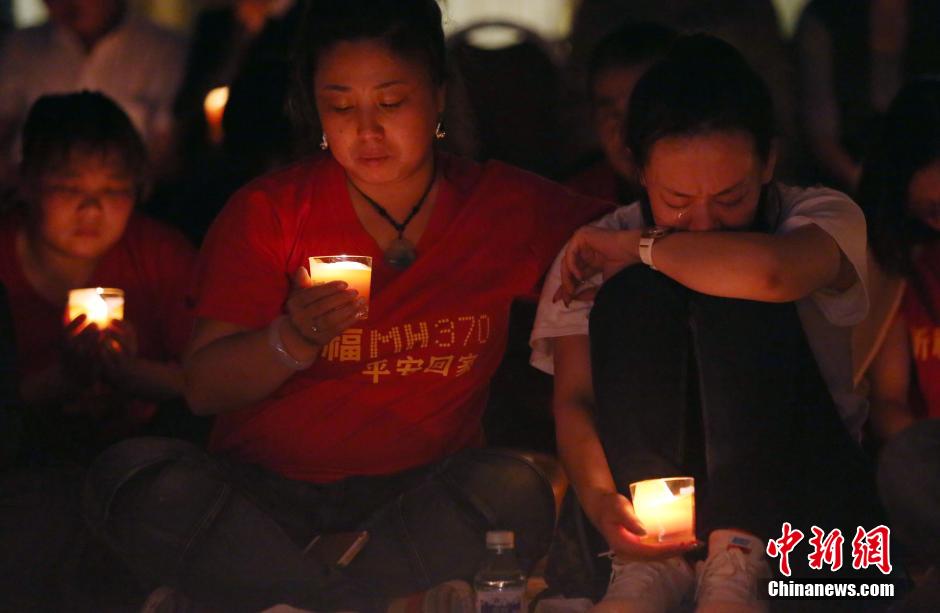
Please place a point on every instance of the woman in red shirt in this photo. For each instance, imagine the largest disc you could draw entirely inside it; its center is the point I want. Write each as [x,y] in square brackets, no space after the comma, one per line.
[328,422]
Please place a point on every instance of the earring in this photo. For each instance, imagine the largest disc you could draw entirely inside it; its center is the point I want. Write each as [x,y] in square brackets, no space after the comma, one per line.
[439,132]
[323,143]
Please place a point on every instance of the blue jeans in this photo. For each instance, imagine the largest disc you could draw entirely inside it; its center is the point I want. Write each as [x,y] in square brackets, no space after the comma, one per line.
[233,535]
[729,392]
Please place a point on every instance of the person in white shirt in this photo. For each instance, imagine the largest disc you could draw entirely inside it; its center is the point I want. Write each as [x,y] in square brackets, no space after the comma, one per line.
[93,45]
[718,345]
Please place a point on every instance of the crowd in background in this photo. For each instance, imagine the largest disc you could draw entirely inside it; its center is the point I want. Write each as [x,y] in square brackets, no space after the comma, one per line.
[856,97]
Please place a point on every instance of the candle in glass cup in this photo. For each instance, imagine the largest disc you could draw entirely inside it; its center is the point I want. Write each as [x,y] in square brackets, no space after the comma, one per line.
[666,507]
[355,270]
[99,305]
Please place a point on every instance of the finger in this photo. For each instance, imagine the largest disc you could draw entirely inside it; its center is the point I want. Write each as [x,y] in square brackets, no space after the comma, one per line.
[627,516]
[586,293]
[334,319]
[325,305]
[308,295]
[74,325]
[302,278]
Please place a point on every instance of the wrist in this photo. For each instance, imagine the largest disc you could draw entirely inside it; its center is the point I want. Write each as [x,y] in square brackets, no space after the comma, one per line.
[292,348]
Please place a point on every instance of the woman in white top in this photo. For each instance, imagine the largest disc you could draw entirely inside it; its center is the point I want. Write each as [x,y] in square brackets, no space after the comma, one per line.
[698,362]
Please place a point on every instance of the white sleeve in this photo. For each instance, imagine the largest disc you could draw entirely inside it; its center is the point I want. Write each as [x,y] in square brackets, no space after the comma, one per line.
[554,319]
[842,219]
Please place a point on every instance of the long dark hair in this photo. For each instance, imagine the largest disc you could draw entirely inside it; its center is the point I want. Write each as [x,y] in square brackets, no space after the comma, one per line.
[703,84]
[410,28]
[909,141]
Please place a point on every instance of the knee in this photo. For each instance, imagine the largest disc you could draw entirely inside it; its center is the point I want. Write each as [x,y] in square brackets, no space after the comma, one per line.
[512,493]
[123,463]
[909,485]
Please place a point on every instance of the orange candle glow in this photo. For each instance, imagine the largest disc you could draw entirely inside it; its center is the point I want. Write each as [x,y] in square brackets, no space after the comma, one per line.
[666,507]
[355,270]
[214,107]
[100,305]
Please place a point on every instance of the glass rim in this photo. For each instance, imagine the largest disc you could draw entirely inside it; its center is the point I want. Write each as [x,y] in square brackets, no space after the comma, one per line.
[662,479]
[343,257]
[101,291]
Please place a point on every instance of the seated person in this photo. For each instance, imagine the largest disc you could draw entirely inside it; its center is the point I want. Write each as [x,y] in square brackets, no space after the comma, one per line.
[900,194]
[329,420]
[698,356]
[616,65]
[83,169]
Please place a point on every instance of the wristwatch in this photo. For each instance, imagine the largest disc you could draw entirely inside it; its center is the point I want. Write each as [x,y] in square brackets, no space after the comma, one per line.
[647,238]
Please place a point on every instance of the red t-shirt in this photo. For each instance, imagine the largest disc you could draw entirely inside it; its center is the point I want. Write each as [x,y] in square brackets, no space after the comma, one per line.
[925,329]
[151,262]
[407,386]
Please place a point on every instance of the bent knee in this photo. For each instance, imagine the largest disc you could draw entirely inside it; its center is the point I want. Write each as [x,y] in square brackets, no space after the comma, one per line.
[123,463]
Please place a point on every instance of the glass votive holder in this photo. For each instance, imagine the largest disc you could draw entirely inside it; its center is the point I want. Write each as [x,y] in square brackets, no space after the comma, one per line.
[666,507]
[99,305]
[355,270]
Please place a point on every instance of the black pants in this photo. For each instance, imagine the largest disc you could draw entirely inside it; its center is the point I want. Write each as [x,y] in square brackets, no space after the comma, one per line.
[729,392]
[233,535]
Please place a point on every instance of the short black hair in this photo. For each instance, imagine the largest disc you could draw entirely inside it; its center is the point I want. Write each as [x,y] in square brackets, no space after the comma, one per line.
[411,28]
[909,140]
[703,84]
[629,45]
[58,124]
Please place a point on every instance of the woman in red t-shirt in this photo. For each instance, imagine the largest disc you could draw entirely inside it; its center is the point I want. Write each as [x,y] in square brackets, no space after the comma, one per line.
[82,171]
[900,192]
[328,421]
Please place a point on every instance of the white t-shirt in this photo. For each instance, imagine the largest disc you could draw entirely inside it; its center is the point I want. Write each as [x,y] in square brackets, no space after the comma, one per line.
[138,64]
[827,315]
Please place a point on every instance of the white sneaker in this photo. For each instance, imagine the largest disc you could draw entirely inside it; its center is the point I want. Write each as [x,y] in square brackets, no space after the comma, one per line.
[728,579]
[646,587]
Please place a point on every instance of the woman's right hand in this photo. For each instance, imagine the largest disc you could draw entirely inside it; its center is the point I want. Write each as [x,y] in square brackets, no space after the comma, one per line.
[320,312]
[613,515]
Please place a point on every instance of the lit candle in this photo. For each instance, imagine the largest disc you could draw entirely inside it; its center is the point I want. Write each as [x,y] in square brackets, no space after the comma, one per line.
[355,270]
[99,305]
[214,107]
[666,507]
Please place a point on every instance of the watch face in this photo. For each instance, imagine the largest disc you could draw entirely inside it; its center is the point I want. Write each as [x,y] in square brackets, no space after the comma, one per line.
[655,232]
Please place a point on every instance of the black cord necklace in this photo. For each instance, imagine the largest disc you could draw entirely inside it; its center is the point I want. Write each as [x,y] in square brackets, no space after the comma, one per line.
[401,253]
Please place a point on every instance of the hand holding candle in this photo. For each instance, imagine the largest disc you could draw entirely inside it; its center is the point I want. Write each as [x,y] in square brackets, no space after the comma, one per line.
[99,305]
[666,507]
[354,270]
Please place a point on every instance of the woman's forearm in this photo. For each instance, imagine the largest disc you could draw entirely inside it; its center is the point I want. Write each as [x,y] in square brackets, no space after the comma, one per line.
[238,369]
[582,455]
[752,266]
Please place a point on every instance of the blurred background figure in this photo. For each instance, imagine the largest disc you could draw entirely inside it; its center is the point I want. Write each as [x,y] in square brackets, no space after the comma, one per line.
[97,45]
[752,26]
[241,48]
[853,57]
[898,348]
[616,64]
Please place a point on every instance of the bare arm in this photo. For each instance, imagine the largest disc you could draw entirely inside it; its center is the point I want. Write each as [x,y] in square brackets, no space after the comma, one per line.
[584,459]
[751,266]
[819,107]
[229,366]
[890,377]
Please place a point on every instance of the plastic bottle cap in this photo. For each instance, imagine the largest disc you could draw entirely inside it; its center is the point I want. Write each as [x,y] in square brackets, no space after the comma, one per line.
[503,539]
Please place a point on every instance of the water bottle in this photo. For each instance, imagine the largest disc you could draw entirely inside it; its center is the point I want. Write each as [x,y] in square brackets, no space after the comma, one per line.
[500,583]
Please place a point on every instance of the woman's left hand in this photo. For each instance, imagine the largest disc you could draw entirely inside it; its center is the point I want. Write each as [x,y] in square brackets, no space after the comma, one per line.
[593,250]
[118,347]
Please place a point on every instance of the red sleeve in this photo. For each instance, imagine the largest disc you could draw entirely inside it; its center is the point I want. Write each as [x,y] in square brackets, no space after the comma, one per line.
[558,213]
[240,273]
